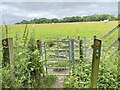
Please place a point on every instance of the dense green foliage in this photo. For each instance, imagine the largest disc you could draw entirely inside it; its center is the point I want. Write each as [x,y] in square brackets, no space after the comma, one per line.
[28,71]
[107,78]
[94,17]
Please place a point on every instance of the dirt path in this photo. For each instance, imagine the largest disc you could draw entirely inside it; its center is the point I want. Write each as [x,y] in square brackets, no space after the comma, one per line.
[59,82]
[60,79]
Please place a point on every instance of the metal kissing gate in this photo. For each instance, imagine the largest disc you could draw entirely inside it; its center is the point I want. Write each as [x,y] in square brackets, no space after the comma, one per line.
[58,53]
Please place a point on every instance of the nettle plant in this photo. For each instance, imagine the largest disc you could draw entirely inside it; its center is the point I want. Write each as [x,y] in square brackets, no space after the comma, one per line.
[28,65]
[79,76]
[107,78]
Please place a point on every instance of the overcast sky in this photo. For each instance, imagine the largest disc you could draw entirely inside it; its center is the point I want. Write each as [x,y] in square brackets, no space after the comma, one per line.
[13,12]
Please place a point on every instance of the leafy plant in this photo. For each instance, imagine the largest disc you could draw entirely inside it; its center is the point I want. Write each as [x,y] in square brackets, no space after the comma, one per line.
[28,65]
[81,74]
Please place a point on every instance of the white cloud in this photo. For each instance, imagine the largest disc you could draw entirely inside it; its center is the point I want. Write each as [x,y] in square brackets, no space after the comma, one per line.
[17,11]
[41,14]
[93,6]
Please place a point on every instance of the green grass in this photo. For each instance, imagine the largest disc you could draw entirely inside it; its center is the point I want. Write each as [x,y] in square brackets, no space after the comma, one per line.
[49,81]
[60,30]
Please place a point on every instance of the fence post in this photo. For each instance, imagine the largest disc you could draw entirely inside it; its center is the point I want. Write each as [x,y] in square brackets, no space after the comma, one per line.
[8,57]
[71,50]
[39,46]
[58,49]
[80,43]
[45,57]
[119,54]
[84,43]
[95,62]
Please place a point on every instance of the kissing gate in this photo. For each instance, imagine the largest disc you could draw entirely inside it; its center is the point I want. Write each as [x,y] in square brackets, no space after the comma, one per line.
[60,54]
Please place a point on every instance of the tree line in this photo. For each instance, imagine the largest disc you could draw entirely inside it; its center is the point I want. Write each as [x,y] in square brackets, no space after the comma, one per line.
[95,17]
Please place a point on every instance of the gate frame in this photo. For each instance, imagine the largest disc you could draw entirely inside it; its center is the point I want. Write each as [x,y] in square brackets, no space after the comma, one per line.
[70,51]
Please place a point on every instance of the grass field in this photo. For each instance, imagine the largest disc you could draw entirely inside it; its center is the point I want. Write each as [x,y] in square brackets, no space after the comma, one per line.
[62,30]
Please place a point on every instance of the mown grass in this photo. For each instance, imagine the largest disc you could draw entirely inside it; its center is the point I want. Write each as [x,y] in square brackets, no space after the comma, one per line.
[62,30]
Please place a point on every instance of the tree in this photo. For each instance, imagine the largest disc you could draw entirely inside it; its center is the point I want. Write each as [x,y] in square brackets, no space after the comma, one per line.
[94,17]
[54,20]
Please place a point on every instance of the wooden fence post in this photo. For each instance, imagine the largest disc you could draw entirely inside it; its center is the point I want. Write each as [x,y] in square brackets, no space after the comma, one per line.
[58,49]
[39,46]
[119,54]
[45,57]
[95,62]
[84,43]
[80,43]
[8,57]
[71,51]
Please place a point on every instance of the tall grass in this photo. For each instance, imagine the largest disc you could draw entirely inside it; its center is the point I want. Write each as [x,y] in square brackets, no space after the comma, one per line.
[60,30]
